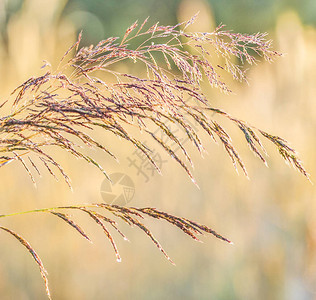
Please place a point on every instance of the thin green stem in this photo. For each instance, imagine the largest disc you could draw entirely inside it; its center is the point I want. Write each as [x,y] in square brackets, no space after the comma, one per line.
[48,209]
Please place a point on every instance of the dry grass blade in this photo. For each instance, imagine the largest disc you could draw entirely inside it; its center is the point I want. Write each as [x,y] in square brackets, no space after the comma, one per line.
[34,255]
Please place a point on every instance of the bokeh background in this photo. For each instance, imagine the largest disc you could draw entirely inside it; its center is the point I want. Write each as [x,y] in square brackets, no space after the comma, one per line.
[271,218]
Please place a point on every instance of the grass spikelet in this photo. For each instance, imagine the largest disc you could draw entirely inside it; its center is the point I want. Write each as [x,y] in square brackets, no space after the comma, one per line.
[34,255]
[26,167]
[98,220]
[140,225]
[172,154]
[230,149]
[288,153]
[187,226]
[71,223]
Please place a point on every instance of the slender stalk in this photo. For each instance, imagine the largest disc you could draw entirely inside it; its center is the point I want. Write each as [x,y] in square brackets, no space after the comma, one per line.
[48,209]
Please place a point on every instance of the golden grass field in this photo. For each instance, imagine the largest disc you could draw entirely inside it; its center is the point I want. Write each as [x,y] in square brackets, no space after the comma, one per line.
[271,218]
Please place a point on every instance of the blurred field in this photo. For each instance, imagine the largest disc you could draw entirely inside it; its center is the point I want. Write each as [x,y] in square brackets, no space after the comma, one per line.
[271,218]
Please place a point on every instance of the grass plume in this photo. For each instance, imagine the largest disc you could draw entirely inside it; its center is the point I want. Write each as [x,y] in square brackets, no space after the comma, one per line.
[60,109]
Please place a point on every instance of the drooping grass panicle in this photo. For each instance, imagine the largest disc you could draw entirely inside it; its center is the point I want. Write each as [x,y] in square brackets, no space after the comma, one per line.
[130,215]
[59,110]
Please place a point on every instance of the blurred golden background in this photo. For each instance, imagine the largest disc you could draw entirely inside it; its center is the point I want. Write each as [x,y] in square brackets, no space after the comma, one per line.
[271,218]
